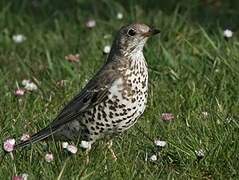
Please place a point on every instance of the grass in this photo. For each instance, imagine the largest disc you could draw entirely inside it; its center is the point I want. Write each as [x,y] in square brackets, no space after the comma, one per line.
[193,69]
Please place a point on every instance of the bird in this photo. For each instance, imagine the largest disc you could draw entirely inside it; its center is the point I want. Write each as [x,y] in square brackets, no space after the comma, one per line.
[113,100]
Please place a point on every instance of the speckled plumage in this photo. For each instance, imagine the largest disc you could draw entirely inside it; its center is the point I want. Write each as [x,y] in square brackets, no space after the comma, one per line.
[124,103]
[113,100]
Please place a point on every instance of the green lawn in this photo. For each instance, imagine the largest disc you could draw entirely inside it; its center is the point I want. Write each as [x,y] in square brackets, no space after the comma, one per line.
[193,69]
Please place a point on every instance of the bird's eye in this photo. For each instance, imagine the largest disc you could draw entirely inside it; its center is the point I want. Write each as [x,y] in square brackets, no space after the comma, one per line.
[131,32]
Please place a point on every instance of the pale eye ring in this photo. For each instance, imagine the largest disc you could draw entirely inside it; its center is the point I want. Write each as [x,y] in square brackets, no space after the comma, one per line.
[131,32]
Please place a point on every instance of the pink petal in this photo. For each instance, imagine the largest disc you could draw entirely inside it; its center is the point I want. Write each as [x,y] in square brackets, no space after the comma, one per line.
[71,148]
[9,144]
[24,176]
[72,58]
[19,92]
[49,157]
[17,178]
[167,116]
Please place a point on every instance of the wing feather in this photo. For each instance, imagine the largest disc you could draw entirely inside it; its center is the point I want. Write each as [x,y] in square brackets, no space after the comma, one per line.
[94,93]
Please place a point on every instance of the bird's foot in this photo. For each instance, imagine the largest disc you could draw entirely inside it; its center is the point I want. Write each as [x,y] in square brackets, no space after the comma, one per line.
[86,145]
[109,145]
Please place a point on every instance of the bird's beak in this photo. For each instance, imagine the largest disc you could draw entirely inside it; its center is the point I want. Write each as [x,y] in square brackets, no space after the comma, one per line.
[151,32]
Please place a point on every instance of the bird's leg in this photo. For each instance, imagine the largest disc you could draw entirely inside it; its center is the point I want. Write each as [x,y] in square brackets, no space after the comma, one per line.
[109,145]
[87,146]
[87,151]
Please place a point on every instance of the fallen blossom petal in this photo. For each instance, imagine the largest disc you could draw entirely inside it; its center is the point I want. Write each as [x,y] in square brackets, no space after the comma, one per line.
[18,38]
[153,158]
[25,82]
[9,144]
[85,145]
[167,116]
[17,178]
[229,119]
[160,143]
[64,145]
[61,83]
[19,92]
[119,15]
[71,148]
[31,86]
[227,33]
[25,176]
[72,58]
[200,153]
[106,36]
[217,70]
[205,114]
[90,23]
[106,49]
[49,157]
[25,137]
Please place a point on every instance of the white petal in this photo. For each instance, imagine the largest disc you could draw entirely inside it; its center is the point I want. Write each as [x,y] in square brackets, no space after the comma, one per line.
[205,114]
[91,23]
[64,145]
[228,33]
[25,137]
[18,38]
[25,176]
[31,86]
[160,143]
[25,82]
[200,153]
[85,145]
[107,49]
[119,15]
[153,158]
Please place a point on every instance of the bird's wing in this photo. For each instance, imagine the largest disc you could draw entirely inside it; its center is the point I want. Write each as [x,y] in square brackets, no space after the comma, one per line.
[94,93]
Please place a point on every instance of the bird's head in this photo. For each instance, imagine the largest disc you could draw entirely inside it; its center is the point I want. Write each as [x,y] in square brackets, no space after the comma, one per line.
[131,38]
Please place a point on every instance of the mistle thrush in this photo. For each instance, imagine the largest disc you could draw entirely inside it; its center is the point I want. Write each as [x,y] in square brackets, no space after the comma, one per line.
[113,99]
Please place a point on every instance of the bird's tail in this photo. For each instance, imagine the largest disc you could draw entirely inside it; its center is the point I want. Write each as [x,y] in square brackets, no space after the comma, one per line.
[41,135]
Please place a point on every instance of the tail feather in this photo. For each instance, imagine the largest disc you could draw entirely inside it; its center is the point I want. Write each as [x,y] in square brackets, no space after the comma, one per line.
[41,135]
